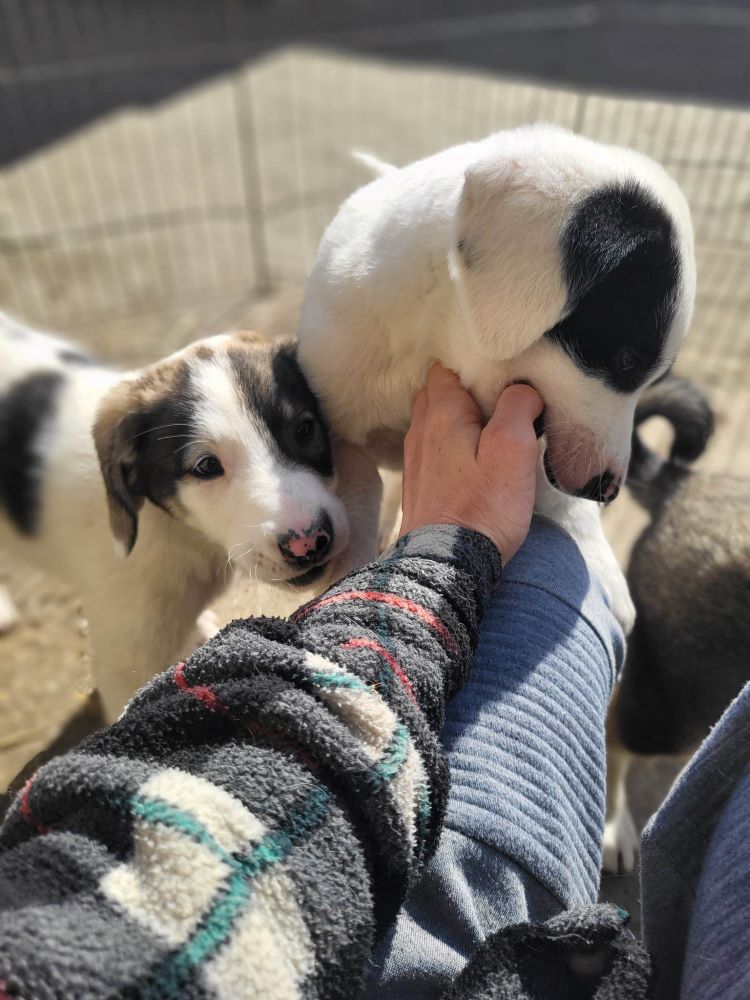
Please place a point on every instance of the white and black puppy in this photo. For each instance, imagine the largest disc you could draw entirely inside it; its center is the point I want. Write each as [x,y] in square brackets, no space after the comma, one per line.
[215,457]
[534,255]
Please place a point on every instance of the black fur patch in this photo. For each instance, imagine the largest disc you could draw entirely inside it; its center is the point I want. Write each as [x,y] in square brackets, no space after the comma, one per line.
[281,398]
[621,265]
[25,412]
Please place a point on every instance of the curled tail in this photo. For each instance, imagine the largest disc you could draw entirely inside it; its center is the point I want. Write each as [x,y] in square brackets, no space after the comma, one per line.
[650,477]
[377,167]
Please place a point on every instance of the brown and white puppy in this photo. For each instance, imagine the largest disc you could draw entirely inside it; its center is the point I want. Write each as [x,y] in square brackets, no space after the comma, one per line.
[689,577]
[214,458]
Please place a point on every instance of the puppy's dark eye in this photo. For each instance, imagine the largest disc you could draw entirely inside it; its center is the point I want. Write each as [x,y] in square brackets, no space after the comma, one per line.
[627,360]
[304,431]
[208,467]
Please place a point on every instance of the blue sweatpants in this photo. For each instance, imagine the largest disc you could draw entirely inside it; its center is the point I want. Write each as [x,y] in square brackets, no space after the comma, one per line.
[525,740]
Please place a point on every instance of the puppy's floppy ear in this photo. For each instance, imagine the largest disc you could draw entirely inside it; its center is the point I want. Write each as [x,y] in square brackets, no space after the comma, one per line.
[115,429]
[506,259]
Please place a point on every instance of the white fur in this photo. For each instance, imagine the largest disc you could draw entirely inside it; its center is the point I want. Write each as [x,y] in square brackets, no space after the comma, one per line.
[142,608]
[621,841]
[389,294]
[8,611]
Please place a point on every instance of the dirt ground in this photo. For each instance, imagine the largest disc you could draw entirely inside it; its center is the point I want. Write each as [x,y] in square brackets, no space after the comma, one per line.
[140,269]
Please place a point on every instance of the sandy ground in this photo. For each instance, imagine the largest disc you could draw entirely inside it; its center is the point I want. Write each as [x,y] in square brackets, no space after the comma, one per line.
[144,231]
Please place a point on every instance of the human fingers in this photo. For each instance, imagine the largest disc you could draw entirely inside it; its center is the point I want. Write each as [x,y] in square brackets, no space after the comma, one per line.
[452,417]
[511,427]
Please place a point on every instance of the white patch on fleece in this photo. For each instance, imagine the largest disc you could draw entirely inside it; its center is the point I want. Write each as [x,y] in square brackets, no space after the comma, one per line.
[405,788]
[171,879]
[168,884]
[370,720]
[224,816]
[361,709]
[270,952]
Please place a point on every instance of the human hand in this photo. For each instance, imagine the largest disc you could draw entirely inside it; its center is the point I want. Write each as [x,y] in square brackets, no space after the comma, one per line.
[458,472]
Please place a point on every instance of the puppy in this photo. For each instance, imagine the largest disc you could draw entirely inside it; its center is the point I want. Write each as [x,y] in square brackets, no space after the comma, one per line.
[689,577]
[534,255]
[213,458]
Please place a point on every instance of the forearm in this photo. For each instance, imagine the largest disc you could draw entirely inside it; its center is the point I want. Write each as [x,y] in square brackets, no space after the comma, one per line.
[258,811]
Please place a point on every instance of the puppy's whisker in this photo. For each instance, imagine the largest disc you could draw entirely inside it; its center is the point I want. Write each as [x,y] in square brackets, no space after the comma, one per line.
[190,445]
[160,427]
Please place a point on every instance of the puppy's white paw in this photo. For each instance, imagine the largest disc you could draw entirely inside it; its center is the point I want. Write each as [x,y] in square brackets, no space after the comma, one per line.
[582,520]
[621,843]
[389,537]
[616,589]
[207,624]
[8,611]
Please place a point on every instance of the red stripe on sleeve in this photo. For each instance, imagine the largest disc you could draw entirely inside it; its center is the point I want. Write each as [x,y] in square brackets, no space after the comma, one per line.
[402,603]
[388,657]
[204,694]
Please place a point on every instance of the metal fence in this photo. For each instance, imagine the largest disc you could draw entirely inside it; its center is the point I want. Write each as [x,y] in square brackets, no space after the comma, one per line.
[179,170]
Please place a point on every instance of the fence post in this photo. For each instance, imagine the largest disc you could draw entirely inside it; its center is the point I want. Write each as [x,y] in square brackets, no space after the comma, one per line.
[250,165]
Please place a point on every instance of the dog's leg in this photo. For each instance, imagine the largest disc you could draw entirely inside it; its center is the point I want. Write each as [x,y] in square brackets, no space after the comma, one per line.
[139,632]
[582,520]
[8,610]
[116,686]
[207,624]
[391,513]
[621,839]
[360,489]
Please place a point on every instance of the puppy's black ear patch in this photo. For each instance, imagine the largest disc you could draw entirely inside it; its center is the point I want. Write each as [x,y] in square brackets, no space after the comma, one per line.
[621,265]
[25,412]
[292,394]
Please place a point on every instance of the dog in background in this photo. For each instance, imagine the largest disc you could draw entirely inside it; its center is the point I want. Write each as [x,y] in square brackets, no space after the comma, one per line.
[689,578]
[533,255]
[216,457]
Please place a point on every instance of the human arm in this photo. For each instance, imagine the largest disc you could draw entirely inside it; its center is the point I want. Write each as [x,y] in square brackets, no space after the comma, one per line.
[259,811]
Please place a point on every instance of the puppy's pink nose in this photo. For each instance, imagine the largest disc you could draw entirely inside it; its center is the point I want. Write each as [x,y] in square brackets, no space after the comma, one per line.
[308,546]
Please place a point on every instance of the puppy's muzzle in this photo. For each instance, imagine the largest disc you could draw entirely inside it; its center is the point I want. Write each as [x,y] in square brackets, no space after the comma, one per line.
[309,546]
[603,488]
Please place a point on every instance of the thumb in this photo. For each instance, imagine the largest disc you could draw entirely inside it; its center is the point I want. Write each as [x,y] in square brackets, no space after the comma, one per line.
[519,402]
[513,420]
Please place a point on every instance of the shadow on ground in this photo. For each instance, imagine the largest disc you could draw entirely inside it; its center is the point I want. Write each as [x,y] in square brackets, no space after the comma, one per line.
[62,65]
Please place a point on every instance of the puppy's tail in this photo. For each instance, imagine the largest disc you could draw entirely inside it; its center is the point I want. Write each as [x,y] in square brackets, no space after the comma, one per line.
[650,477]
[377,167]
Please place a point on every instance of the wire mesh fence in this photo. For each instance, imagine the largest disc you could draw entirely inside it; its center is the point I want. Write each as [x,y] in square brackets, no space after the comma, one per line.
[153,160]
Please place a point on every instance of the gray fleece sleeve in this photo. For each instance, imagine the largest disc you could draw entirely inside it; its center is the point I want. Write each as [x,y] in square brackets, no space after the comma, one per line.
[258,813]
